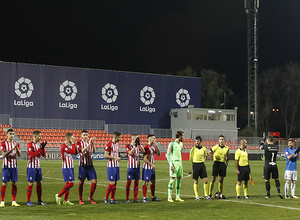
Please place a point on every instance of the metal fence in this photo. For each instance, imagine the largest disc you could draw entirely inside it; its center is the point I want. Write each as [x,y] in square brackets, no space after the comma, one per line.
[4,119]
[56,123]
[161,133]
[127,129]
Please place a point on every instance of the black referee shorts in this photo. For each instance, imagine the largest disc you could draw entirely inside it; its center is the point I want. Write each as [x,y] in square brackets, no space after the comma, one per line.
[268,170]
[199,169]
[219,169]
[244,173]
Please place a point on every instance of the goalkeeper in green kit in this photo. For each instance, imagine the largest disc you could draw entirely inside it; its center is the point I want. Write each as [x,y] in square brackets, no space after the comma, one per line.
[174,158]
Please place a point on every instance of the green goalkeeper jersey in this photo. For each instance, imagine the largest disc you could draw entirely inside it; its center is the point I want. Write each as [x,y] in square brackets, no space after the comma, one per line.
[174,151]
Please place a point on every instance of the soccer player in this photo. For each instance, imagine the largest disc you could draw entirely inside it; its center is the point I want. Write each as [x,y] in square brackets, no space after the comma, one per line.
[10,149]
[220,155]
[198,155]
[290,174]
[113,172]
[242,169]
[133,167]
[35,150]
[175,161]
[270,167]
[85,149]
[148,173]
[67,149]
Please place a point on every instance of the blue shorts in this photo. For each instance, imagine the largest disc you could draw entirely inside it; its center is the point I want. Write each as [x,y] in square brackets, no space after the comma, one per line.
[148,175]
[68,174]
[133,173]
[113,173]
[34,174]
[87,172]
[9,174]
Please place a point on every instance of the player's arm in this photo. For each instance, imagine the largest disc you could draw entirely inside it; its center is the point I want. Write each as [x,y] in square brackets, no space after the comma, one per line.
[157,150]
[211,153]
[107,156]
[3,150]
[236,157]
[145,158]
[192,154]
[169,155]
[131,151]
[93,144]
[227,157]
[142,149]
[31,152]
[17,147]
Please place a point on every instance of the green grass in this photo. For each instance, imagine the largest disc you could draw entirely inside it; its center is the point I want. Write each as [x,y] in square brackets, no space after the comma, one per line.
[245,209]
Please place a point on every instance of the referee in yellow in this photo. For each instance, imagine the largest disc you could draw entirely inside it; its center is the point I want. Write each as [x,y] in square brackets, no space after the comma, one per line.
[197,157]
[220,154]
[242,169]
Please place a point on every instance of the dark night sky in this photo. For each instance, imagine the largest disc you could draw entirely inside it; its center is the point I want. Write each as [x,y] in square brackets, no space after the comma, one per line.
[149,36]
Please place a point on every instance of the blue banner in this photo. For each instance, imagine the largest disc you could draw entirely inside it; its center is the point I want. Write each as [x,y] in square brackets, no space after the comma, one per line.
[39,91]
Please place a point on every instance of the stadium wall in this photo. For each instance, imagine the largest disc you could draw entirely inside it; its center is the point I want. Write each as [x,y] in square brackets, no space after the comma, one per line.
[52,92]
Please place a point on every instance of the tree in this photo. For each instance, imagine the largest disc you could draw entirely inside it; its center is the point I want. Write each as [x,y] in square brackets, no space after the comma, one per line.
[278,91]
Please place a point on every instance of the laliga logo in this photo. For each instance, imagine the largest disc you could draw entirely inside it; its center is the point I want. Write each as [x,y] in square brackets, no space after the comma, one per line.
[23,88]
[183,97]
[109,95]
[68,92]
[147,96]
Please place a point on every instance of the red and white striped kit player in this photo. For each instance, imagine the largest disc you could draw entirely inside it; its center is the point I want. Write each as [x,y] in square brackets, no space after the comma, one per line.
[11,160]
[149,151]
[113,150]
[133,160]
[66,153]
[85,159]
[34,155]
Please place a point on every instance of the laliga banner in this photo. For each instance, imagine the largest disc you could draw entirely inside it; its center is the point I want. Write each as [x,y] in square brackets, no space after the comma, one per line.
[39,91]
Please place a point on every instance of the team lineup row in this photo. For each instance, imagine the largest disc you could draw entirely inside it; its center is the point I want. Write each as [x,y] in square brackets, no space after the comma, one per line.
[85,147]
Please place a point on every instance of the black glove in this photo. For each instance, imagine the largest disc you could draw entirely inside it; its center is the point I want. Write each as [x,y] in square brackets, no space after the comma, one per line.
[261,144]
[297,151]
[137,141]
[43,144]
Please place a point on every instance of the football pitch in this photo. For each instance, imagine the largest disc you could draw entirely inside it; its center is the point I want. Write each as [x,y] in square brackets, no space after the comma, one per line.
[256,208]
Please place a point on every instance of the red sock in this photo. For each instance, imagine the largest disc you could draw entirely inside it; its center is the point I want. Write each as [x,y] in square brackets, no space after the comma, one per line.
[144,191]
[14,192]
[136,189]
[93,188]
[3,192]
[152,187]
[29,192]
[39,192]
[80,190]
[66,189]
[113,191]
[68,186]
[128,189]
[109,188]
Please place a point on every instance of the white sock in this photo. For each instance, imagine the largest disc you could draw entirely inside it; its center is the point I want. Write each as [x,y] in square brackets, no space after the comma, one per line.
[293,188]
[286,187]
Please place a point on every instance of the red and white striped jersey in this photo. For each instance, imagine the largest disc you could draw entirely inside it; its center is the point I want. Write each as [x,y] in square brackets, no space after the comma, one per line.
[113,150]
[133,160]
[34,155]
[66,153]
[149,151]
[10,161]
[85,159]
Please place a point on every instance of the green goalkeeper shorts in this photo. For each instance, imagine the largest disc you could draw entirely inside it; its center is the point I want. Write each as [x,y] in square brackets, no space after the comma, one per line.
[178,169]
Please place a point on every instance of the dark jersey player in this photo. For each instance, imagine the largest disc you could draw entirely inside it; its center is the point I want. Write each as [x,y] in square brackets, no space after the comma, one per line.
[270,167]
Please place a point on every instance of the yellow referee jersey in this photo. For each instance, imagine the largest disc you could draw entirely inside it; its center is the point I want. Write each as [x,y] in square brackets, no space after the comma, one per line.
[220,153]
[198,155]
[242,157]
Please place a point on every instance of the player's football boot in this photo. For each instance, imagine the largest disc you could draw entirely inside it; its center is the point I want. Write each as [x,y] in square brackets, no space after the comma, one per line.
[114,202]
[208,198]
[222,196]
[106,201]
[68,203]
[179,199]
[170,200]
[92,201]
[247,197]
[155,199]
[29,204]
[57,199]
[295,197]
[280,196]
[238,197]
[197,199]
[81,202]
[137,201]
[15,204]
[145,200]
[2,204]
[287,197]
[41,203]
[268,197]
[127,201]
